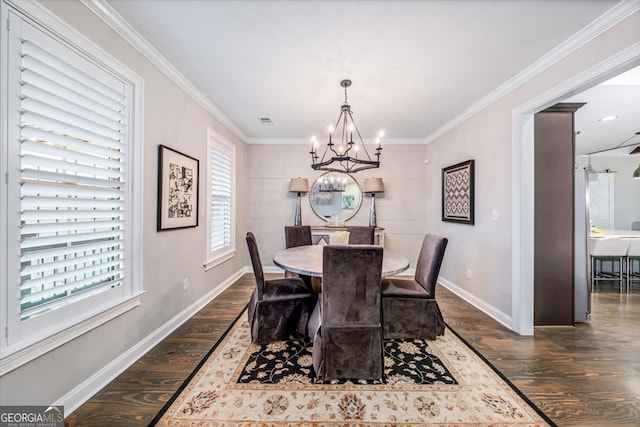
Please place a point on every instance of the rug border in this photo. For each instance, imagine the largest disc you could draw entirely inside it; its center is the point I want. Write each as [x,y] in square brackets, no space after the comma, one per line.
[503,377]
[193,373]
[186,382]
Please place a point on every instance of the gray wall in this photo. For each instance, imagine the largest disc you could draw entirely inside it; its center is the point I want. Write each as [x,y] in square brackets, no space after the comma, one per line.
[409,208]
[401,209]
[173,118]
[487,136]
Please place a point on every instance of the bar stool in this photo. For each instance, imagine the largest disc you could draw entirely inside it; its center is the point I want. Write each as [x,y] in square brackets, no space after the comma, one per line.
[633,263]
[608,252]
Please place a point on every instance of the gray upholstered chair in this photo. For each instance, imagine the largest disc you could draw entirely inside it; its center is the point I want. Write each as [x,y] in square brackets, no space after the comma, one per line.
[361,235]
[297,235]
[635,225]
[279,307]
[346,323]
[409,306]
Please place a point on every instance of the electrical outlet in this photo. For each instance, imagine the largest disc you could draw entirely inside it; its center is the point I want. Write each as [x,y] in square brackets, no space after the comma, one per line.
[469,273]
[494,214]
[185,284]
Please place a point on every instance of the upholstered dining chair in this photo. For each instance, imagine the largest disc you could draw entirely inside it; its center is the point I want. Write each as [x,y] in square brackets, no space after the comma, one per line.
[278,307]
[361,235]
[297,235]
[409,306]
[346,324]
[294,236]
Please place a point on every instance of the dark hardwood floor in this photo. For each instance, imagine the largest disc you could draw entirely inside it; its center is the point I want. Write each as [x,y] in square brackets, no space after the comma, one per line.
[588,375]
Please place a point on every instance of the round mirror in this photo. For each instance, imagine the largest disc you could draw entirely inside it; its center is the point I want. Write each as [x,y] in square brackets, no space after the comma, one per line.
[335,193]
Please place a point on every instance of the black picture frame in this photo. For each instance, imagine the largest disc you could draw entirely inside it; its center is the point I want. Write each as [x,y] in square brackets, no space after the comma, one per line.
[178,188]
[458,192]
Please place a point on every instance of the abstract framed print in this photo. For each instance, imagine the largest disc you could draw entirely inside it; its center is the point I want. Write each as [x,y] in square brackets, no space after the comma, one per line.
[177,189]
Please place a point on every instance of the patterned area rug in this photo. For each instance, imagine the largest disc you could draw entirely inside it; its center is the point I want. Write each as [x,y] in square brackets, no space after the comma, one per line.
[441,382]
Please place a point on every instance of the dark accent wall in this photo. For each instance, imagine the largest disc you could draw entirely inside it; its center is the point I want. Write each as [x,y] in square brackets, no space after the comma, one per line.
[553,215]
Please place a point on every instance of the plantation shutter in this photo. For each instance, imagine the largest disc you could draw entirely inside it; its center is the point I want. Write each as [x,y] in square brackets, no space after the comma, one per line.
[72,163]
[221,187]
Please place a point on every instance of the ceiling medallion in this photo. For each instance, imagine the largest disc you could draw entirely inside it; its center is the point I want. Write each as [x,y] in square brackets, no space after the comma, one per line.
[346,155]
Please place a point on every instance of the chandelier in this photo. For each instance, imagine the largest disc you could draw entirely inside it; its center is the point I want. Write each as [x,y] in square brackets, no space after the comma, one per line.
[345,155]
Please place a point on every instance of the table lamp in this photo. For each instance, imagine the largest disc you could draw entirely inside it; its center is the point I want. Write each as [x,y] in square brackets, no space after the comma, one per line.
[298,185]
[373,186]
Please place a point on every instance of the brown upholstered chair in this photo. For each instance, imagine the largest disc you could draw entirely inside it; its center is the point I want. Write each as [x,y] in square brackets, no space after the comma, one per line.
[278,307]
[346,324]
[297,235]
[409,306]
[361,235]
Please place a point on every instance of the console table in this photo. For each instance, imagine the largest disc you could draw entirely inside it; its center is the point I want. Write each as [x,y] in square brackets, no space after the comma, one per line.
[320,234]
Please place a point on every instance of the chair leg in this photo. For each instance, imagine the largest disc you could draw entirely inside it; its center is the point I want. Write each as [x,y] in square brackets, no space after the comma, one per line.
[605,269]
[622,274]
[593,274]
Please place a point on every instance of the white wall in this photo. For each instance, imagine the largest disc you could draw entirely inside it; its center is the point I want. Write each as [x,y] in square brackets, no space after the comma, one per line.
[173,118]
[626,189]
[401,209]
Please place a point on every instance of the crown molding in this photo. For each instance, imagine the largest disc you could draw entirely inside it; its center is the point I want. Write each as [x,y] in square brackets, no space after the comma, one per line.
[613,16]
[126,31]
[306,141]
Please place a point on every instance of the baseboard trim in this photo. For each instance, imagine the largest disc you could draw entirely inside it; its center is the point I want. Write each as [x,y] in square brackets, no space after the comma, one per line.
[487,309]
[83,392]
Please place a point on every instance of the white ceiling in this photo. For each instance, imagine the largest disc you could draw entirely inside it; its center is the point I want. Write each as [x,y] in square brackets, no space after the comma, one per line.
[415,65]
[618,97]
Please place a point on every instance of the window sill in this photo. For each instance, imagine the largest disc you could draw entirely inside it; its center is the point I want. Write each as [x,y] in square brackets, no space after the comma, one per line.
[219,259]
[13,356]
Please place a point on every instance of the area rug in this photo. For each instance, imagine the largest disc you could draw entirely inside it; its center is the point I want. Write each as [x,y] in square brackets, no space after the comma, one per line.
[441,382]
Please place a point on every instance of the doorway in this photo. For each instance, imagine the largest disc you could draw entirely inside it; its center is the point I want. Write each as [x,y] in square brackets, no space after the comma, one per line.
[522,181]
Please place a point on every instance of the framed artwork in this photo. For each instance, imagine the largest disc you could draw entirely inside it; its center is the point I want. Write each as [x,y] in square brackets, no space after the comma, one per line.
[177,189]
[458,192]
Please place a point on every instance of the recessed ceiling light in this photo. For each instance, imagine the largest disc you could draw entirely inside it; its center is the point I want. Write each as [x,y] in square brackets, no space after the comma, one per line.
[266,121]
[608,118]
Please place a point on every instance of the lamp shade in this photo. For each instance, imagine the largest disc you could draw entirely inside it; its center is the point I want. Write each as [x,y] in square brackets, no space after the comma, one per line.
[373,185]
[299,185]
[636,173]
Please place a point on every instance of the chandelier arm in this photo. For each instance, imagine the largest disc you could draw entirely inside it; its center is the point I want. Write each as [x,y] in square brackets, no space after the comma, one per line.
[360,136]
[341,161]
[330,145]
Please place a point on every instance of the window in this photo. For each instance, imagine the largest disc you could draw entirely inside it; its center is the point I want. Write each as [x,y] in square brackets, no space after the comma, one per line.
[70,172]
[220,200]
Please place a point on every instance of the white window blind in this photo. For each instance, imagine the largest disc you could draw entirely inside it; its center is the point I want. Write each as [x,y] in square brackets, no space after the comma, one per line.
[221,193]
[72,195]
[71,162]
[220,199]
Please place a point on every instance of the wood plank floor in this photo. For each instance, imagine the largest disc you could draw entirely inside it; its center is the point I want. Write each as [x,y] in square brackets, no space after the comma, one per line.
[588,375]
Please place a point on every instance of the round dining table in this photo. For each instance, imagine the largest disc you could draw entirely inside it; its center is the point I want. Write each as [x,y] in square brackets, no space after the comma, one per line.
[307,260]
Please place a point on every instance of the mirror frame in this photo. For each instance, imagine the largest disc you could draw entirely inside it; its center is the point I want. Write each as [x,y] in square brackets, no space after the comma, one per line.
[315,190]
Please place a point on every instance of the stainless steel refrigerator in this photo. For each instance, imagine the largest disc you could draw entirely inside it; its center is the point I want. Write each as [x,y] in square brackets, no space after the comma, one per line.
[582,264]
